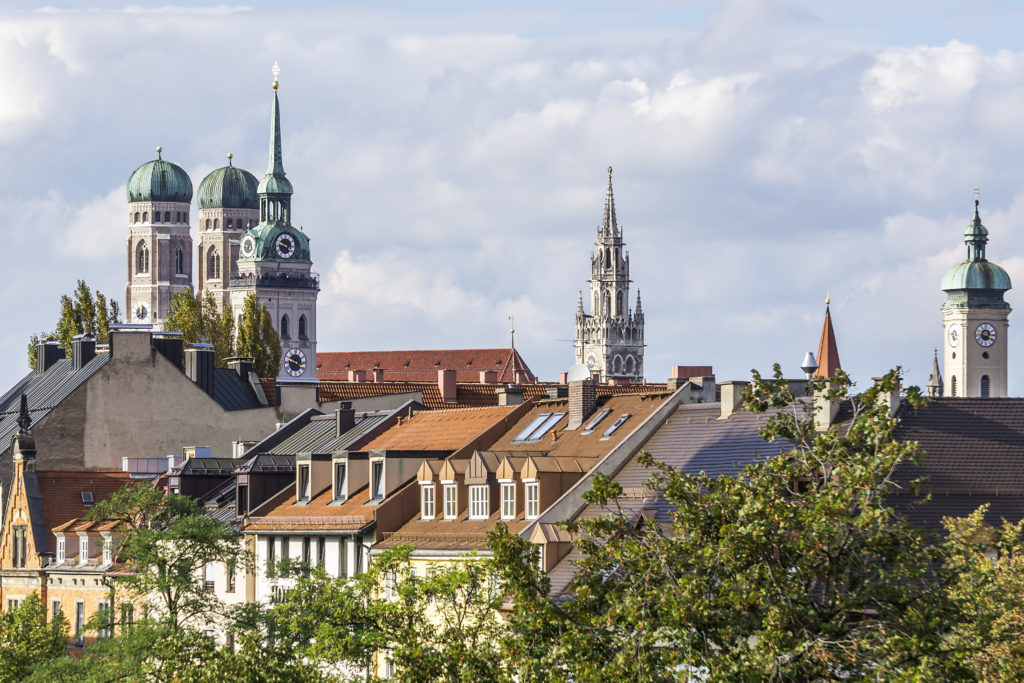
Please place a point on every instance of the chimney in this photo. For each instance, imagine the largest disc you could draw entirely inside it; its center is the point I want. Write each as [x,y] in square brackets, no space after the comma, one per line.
[344,418]
[357,375]
[732,396]
[47,355]
[446,385]
[83,350]
[488,377]
[890,399]
[243,366]
[170,345]
[558,392]
[825,410]
[563,378]
[582,401]
[509,396]
[378,375]
[199,366]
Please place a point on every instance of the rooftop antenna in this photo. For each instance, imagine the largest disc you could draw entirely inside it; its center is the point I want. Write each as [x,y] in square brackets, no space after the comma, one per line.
[513,331]
[809,365]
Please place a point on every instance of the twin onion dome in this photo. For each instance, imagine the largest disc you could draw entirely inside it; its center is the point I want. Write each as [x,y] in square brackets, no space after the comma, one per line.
[159,180]
[229,187]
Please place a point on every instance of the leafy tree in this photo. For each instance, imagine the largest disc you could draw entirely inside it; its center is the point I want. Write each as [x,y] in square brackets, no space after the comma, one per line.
[257,338]
[27,639]
[68,325]
[200,320]
[80,313]
[85,309]
[185,315]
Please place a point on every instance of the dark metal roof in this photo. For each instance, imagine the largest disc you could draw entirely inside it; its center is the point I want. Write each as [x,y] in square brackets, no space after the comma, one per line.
[44,390]
[268,463]
[207,466]
[319,435]
[232,392]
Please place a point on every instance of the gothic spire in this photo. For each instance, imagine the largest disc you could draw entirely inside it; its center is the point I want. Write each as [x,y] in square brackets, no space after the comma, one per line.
[610,225]
[639,307]
[579,307]
[934,386]
[828,352]
[275,165]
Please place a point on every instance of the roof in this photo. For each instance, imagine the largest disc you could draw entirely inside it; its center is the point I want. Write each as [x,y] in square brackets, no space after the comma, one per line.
[61,492]
[319,514]
[228,187]
[159,181]
[319,435]
[423,366]
[828,353]
[268,463]
[220,467]
[232,392]
[439,430]
[461,533]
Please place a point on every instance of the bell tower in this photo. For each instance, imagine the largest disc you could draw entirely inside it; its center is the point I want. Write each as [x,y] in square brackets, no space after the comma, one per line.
[610,340]
[974,320]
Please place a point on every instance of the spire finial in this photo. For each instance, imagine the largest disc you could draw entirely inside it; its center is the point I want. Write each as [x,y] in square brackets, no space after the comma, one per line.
[828,298]
[24,420]
[610,224]
[159,149]
[230,157]
[513,331]
[275,70]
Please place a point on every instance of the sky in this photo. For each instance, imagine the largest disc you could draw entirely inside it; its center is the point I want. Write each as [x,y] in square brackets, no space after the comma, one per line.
[450,165]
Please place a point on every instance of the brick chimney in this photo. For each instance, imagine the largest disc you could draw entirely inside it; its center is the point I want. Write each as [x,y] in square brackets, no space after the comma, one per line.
[47,355]
[582,401]
[509,396]
[378,375]
[446,385]
[357,375]
[488,377]
[732,396]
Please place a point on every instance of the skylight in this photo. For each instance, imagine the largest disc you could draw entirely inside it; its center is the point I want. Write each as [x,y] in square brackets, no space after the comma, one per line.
[618,423]
[597,419]
[87,498]
[539,427]
[523,435]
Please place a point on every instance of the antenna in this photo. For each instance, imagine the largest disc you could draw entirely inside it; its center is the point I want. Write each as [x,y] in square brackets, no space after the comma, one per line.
[513,331]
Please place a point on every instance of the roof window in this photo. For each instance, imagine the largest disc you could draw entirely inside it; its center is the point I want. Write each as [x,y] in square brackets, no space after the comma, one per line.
[540,426]
[597,419]
[618,423]
[87,500]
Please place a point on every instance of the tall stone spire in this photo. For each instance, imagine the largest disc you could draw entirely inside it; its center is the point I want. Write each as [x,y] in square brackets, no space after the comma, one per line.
[275,163]
[610,225]
[934,386]
[828,352]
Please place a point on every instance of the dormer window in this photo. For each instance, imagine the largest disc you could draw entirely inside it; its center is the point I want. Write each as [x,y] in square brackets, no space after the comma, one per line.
[83,549]
[532,499]
[304,483]
[61,549]
[377,479]
[427,500]
[478,502]
[340,484]
[108,551]
[508,500]
[450,503]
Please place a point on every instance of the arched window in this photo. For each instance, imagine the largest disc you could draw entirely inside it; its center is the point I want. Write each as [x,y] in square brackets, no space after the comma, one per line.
[213,264]
[284,327]
[302,327]
[142,258]
[228,225]
[604,303]
[618,302]
[167,216]
[597,305]
[216,223]
[617,365]
[608,258]
[207,223]
[179,261]
[145,216]
[136,217]
[630,366]
[984,386]
[952,386]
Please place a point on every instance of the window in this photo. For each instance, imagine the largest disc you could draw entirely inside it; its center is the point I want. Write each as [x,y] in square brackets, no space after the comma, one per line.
[179,261]
[230,582]
[378,479]
[108,550]
[596,421]
[358,548]
[532,500]
[427,501]
[213,264]
[227,224]
[508,500]
[304,483]
[618,423]
[302,327]
[12,604]
[343,558]
[208,581]
[271,542]
[478,502]
[19,550]
[216,223]
[450,507]
[207,223]
[145,216]
[61,549]
[156,216]
[83,549]
[321,552]
[56,608]
[339,481]
[137,216]
[984,386]
[540,558]
[243,500]
[79,623]
[284,327]
[306,544]
[103,609]
[167,216]
[127,616]
[142,258]
[87,499]
[537,421]
[953,386]
[539,427]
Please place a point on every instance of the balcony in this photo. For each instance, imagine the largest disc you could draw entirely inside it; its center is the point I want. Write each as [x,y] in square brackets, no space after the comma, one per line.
[280,280]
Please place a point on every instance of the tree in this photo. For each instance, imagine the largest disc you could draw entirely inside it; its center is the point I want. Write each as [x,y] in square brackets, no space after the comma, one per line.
[185,315]
[199,320]
[68,325]
[85,309]
[797,569]
[80,314]
[257,338]
[27,639]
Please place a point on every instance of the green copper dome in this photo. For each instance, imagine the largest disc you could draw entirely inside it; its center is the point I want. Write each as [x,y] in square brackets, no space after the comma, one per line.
[159,181]
[228,188]
[976,275]
[975,282]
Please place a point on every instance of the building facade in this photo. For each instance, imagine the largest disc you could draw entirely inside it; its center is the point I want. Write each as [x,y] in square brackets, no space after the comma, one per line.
[610,340]
[975,321]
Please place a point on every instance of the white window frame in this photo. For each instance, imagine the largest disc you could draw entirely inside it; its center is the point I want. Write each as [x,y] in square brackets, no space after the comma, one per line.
[532,496]
[83,549]
[340,486]
[451,501]
[108,550]
[305,486]
[377,492]
[478,502]
[61,548]
[508,499]
[428,499]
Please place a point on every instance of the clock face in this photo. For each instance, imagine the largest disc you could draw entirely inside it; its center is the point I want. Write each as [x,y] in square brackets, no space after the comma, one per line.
[591,361]
[954,336]
[285,245]
[248,247]
[985,334]
[295,362]
[141,312]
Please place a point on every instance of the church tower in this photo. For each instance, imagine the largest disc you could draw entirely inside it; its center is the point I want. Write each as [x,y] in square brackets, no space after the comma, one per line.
[274,262]
[159,243]
[975,320]
[610,340]
[228,206]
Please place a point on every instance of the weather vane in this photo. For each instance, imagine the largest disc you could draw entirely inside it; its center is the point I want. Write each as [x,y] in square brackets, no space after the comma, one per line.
[275,70]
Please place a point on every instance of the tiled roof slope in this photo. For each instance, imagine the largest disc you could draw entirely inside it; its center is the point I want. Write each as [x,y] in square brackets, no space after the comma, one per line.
[438,430]
[422,366]
[62,492]
[319,513]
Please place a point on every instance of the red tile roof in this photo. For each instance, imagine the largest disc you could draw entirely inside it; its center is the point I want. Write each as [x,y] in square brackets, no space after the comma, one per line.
[351,515]
[422,366]
[439,430]
[62,492]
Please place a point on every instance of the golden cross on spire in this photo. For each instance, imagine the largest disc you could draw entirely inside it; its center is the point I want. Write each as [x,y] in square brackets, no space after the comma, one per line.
[977,191]
[275,70]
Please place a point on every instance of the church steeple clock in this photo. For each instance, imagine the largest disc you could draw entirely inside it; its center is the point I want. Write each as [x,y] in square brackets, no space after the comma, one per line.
[975,320]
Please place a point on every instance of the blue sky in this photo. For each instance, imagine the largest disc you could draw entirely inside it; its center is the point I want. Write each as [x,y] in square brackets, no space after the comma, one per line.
[450,164]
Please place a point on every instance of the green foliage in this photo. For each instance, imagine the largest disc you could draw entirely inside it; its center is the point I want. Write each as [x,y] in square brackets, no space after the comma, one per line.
[28,640]
[81,313]
[200,320]
[257,338]
[185,315]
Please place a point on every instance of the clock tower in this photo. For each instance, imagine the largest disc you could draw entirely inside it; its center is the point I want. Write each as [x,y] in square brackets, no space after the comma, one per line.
[274,263]
[975,320]
[610,340]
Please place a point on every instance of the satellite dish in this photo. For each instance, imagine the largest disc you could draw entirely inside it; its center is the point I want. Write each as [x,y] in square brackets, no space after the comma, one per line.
[578,372]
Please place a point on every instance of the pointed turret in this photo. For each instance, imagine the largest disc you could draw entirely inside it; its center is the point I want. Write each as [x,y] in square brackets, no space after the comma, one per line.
[828,353]
[579,306]
[275,189]
[24,444]
[934,386]
[610,225]
[639,313]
